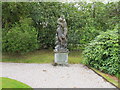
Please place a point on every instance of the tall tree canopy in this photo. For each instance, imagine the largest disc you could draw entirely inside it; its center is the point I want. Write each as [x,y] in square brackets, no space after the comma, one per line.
[85,20]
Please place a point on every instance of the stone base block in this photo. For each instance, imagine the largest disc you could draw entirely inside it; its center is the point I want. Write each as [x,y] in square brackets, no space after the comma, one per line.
[61,58]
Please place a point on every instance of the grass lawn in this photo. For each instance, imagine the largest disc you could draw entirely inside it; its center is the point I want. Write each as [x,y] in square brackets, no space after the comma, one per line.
[40,56]
[11,83]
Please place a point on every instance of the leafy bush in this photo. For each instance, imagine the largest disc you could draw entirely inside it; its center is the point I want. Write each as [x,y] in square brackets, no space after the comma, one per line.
[84,20]
[102,52]
[20,38]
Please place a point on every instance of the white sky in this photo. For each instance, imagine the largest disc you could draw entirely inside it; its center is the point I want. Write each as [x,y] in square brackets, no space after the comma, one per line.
[89,1]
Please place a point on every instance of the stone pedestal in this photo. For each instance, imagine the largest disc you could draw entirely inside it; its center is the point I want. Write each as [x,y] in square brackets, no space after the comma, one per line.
[61,58]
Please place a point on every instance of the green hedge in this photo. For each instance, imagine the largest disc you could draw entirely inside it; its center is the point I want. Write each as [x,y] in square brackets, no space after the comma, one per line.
[21,38]
[102,52]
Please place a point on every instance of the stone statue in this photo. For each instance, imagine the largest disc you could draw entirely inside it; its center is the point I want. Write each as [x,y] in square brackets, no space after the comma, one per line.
[61,35]
[61,51]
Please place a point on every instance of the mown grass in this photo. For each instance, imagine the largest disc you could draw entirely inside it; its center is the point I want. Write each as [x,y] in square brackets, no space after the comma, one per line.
[40,56]
[11,83]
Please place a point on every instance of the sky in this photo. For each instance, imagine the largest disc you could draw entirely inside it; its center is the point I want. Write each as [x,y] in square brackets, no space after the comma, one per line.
[90,1]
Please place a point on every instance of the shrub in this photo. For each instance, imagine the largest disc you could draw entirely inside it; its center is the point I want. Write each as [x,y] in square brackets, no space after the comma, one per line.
[20,38]
[102,52]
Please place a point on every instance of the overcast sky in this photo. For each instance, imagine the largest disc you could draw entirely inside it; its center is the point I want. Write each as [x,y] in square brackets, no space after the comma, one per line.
[89,1]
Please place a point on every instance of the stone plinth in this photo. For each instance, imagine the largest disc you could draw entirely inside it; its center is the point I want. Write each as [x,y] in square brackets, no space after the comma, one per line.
[61,58]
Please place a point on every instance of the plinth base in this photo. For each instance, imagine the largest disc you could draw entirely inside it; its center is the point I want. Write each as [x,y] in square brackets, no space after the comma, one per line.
[61,58]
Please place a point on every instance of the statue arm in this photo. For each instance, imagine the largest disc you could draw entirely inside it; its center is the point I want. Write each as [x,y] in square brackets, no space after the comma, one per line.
[65,27]
[65,31]
[60,23]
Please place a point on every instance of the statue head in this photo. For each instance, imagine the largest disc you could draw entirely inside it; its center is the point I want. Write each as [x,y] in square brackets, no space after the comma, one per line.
[62,16]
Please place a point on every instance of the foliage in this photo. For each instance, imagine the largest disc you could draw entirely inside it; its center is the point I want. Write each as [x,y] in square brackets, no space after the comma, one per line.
[85,20]
[44,15]
[20,38]
[102,52]
[12,12]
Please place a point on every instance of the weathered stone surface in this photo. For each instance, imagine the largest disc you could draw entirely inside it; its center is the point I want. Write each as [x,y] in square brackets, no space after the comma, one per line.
[61,58]
[61,35]
[61,51]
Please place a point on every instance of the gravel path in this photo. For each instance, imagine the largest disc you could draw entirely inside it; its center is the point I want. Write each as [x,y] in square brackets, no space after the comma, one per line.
[48,76]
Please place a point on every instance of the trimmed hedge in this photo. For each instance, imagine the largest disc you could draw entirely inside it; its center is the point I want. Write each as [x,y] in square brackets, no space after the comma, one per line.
[102,52]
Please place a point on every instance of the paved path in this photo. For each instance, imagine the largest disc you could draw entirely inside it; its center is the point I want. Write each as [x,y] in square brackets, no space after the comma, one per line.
[48,76]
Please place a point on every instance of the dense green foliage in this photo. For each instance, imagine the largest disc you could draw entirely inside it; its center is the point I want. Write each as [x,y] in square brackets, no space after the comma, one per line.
[85,21]
[102,52]
[20,38]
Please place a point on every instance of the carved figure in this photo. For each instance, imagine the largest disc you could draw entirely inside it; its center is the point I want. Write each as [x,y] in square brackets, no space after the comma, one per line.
[61,35]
